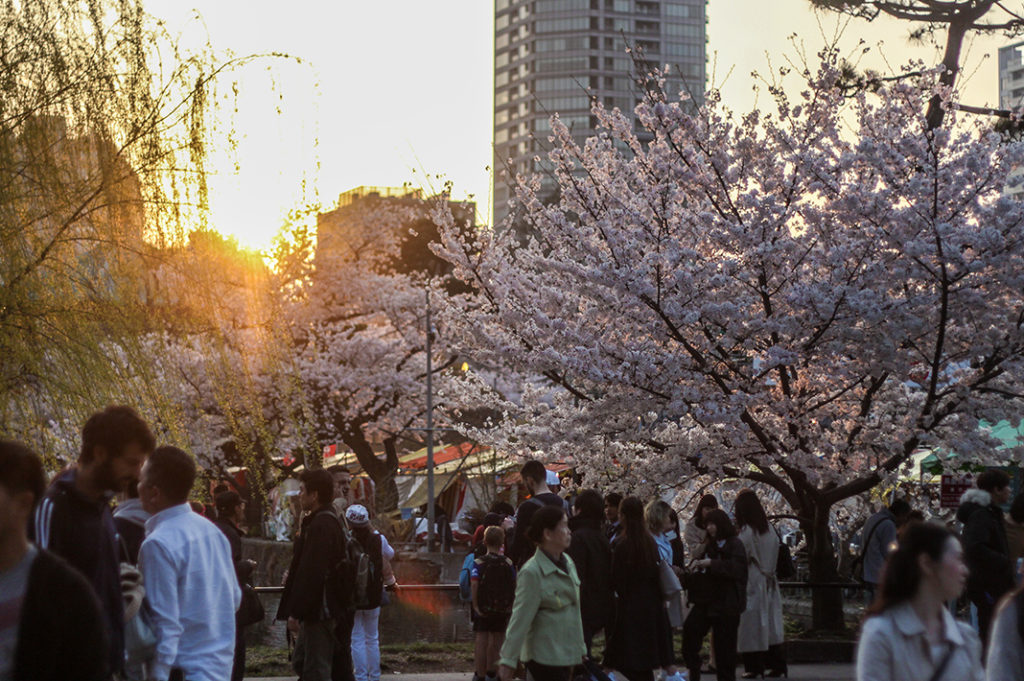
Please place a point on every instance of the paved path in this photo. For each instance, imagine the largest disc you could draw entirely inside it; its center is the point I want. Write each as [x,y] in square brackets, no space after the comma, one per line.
[809,672]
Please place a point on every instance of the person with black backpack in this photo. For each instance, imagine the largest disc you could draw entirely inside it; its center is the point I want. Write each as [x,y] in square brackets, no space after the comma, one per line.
[309,603]
[493,579]
[369,591]
[879,539]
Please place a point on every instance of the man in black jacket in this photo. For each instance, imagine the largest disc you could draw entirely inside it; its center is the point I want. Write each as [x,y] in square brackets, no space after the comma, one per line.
[50,623]
[309,603]
[985,548]
[74,519]
[535,480]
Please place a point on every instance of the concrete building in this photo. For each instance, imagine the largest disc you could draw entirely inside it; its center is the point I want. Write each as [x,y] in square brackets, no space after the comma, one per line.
[389,226]
[556,55]
[1011,96]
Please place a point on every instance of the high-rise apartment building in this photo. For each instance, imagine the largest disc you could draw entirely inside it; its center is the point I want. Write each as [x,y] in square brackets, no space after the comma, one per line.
[555,55]
[1011,76]
[1011,96]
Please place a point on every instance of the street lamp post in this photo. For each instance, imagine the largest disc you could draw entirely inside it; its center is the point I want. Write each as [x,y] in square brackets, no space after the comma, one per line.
[430,435]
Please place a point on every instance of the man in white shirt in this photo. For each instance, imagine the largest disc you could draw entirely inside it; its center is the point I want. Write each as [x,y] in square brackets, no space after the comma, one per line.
[191,589]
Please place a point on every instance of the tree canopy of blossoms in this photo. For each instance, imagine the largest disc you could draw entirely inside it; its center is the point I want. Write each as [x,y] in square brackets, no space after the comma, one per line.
[801,298]
[357,328]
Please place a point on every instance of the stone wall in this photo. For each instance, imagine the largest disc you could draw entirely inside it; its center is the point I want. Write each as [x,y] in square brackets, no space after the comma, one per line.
[415,614]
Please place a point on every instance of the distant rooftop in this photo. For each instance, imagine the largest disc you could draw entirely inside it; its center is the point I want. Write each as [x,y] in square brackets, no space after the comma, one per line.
[368,192]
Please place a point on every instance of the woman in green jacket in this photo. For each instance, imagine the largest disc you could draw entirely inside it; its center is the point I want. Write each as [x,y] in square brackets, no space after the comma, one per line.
[546,630]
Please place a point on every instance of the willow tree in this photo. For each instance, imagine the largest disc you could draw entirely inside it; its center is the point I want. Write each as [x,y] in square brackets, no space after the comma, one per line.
[102,142]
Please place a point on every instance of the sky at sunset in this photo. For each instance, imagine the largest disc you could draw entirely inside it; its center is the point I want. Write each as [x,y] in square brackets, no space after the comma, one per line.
[396,91]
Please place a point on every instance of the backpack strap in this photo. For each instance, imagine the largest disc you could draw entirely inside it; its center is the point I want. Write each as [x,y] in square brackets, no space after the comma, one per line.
[867,542]
[943,663]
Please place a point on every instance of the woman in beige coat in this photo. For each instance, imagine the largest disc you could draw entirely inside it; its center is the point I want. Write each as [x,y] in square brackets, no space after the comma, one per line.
[761,632]
[909,635]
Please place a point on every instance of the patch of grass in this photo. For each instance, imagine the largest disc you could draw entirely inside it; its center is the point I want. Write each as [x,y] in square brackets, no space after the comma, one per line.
[267,661]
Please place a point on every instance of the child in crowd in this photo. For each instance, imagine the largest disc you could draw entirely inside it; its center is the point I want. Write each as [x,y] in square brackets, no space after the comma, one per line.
[493,579]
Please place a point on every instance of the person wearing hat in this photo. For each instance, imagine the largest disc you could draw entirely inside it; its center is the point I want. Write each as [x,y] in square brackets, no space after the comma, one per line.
[365,640]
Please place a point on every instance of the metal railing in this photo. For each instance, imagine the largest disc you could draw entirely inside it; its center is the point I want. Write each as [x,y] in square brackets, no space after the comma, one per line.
[856,586]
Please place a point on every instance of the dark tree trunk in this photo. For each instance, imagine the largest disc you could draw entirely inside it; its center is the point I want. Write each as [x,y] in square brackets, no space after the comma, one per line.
[951,63]
[381,471]
[827,603]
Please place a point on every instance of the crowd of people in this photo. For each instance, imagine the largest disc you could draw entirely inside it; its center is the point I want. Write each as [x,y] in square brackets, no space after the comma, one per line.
[156,589]
[613,564]
[917,571]
[609,564]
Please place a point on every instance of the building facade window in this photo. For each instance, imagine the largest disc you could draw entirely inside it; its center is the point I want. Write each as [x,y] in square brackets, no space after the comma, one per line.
[617,25]
[680,11]
[566,83]
[574,64]
[562,44]
[572,122]
[673,49]
[561,5]
[550,105]
[559,25]
[683,30]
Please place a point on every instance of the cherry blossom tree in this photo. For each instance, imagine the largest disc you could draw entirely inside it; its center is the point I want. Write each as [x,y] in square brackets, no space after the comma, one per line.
[356,321]
[801,298]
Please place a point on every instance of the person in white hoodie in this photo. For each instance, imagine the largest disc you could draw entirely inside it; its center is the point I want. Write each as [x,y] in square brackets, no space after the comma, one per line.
[130,520]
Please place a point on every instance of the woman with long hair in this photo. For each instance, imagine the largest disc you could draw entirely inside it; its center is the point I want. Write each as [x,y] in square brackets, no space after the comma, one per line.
[718,593]
[640,639]
[546,630]
[592,554]
[909,634]
[696,536]
[760,637]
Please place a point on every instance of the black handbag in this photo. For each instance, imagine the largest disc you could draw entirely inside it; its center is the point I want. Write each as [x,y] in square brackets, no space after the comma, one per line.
[785,568]
[251,610]
[698,587]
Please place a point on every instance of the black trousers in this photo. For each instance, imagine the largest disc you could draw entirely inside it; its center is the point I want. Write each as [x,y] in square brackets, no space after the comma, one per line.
[341,663]
[238,668]
[535,671]
[725,629]
[773,660]
[986,611]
